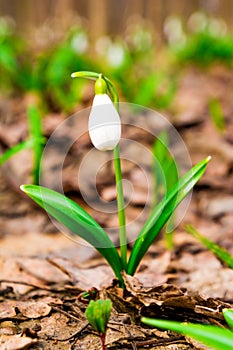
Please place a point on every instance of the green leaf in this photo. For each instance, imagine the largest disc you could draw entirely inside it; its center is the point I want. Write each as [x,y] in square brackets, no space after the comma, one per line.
[17,148]
[218,251]
[162,213]
[77,220]
[98,314]
[216,337]
[228,315]
[217,115]
[35,130]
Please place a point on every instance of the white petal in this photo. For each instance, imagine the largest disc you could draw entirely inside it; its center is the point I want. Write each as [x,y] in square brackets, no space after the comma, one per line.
[104,123]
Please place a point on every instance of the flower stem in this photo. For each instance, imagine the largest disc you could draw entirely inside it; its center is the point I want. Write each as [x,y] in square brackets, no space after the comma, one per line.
[121,205]
[117,166]
[119,186]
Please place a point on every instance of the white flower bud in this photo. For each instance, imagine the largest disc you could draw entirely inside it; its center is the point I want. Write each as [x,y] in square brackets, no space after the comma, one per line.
[104,123]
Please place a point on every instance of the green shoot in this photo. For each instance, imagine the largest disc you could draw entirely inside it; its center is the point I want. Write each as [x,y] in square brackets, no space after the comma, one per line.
[98,314]
[81,223]
[35,143]
[215,337]
[35,132]
[218,251]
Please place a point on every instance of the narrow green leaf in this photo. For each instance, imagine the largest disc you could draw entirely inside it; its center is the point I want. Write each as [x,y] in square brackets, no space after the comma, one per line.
[218,251]
[228,315]
[217,115]
[36,134]
[216,337]
[162,213]
[14,150]
[77,220]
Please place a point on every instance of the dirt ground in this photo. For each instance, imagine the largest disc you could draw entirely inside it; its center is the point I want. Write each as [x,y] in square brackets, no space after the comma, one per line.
[43,271]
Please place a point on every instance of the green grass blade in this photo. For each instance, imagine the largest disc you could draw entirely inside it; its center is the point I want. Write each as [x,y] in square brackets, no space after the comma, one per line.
[165,175]
[36,134]
[218,251]
[77,220]
[162,213]
[228,315]
[216,337]
[216,113]
[14,150]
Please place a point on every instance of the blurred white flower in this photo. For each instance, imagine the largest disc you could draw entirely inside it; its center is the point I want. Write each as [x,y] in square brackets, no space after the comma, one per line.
[197,22]
[174,31]
[104,123]
[80,43]
[115,54]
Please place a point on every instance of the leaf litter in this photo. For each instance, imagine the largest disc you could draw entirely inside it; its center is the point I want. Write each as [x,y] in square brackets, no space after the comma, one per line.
[42,279]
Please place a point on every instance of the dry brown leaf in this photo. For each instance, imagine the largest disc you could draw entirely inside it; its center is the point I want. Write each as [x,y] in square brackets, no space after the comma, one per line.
[33,309]
[6,310]
[15,342]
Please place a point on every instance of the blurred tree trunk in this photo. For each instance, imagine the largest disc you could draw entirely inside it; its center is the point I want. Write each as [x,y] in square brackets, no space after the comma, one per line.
[110,16]
[98,17]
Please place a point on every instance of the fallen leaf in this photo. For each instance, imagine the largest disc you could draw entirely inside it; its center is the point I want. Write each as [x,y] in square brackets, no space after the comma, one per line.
[33,309]
[15,342]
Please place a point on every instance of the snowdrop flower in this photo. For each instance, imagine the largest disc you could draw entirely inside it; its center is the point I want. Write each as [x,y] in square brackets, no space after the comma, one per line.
[104,122]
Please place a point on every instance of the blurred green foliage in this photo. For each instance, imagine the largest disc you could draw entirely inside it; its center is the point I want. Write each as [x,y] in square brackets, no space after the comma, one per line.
[205,41]
[216,114]
[204,48]
[131,64]
[144,71]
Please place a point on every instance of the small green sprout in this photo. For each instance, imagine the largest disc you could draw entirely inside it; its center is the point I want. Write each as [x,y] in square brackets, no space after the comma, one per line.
[98,314]
[215,337]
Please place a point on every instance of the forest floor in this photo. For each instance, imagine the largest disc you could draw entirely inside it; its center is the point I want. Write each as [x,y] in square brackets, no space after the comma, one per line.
[43,271]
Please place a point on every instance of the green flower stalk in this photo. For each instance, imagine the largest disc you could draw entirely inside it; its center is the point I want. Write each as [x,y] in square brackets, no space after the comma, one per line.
[105,132]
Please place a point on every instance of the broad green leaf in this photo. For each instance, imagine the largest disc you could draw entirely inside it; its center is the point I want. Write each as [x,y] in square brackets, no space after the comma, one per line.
[228,315]
[77,220]
[162,213]
[218,251]
[216,337]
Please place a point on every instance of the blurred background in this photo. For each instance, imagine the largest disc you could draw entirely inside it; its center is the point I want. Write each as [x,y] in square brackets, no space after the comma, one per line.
[172,56]
[41,42]
[108,16]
